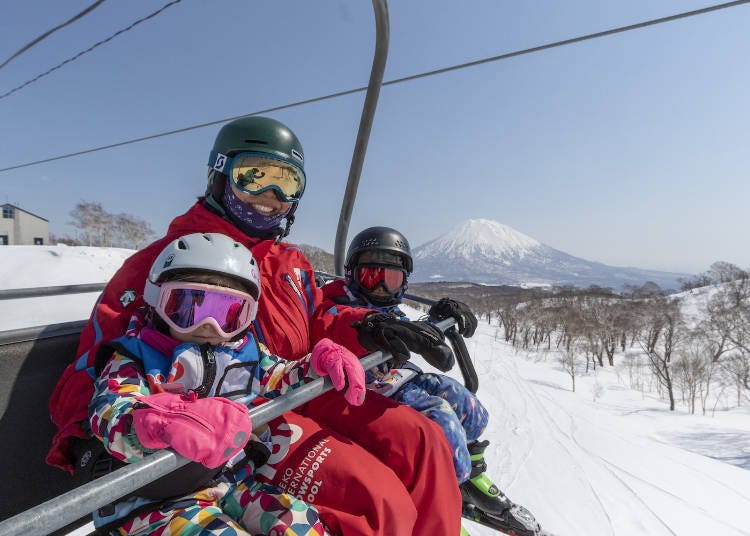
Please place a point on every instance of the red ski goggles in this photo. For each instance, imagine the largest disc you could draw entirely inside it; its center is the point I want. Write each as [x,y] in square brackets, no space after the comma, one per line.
[186,306]
[392,279]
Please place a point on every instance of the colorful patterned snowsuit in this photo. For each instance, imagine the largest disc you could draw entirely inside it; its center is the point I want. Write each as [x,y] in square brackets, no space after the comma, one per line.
[377,469]
[440,398]
[235,503]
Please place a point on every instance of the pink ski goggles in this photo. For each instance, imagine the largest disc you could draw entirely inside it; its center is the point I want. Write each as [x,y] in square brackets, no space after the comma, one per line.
[186,306]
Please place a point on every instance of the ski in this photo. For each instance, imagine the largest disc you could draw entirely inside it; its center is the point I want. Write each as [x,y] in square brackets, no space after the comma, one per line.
[515,521]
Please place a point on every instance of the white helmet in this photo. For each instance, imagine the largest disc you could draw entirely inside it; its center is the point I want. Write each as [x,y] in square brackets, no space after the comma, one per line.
[207,252]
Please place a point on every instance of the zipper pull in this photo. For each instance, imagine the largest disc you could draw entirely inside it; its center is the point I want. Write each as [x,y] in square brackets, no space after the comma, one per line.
[209,369]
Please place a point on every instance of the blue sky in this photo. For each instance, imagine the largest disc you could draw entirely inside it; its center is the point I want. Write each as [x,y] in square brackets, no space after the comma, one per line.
[629,150]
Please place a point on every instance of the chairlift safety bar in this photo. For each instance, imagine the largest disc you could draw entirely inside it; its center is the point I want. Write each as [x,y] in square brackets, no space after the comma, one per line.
[60,290]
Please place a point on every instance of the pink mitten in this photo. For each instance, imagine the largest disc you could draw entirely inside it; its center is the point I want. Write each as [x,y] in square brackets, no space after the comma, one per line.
[206,430]
[331,359]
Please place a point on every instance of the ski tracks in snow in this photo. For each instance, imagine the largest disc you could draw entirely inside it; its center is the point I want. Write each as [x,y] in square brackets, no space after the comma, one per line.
[636,484]
[576,479]
[605,465]
[535,462]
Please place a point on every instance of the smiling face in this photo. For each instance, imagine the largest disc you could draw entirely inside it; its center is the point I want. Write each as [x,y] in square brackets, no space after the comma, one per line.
[266,203]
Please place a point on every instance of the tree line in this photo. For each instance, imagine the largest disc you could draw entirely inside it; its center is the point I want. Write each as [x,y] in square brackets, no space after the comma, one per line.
[97,227]
[688,352]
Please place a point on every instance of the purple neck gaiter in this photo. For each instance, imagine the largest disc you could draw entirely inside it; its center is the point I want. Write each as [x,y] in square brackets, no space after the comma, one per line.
[247,215]
[164,344]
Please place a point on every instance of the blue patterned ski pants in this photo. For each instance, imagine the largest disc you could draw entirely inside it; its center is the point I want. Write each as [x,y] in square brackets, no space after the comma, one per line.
[453,407]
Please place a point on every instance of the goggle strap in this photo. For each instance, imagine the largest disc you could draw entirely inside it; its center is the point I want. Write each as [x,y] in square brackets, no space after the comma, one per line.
[220,161]
[151,294]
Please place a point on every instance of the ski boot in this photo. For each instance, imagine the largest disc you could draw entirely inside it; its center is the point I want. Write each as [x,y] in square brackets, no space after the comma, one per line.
[484,503]
[515,521]
[479,490]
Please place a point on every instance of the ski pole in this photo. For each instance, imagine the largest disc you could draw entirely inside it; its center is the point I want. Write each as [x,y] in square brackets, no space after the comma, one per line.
[72,505]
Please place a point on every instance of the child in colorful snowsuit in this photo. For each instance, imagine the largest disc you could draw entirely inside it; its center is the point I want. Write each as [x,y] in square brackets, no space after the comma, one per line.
[378,263]
[183,377]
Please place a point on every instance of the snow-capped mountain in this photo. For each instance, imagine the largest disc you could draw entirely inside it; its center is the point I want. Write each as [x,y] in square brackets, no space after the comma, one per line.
[485,251]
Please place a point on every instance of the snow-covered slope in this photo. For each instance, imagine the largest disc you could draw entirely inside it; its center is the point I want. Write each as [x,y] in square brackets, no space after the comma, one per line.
[606,459]
[485,251]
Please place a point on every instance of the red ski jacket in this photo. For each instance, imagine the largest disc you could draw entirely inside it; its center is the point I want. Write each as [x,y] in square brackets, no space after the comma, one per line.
[290,317]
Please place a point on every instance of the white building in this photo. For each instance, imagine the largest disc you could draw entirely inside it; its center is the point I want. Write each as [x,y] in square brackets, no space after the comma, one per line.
[19,227]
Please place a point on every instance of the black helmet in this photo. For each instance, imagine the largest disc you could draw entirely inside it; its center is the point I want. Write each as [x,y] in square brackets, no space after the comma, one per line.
[261,135]
[379,246]
[383,239]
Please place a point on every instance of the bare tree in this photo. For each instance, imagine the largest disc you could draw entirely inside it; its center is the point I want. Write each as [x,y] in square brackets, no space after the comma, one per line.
[609,326]
[65,239]
[105,226]
[735,300]
[85,220]
[719,272]
[131,232]
[635,372]
[736,369]
[694,366]
[97,227]
[569,363]
[724,272]
[509,320]
[713,329]
[664,332]
[697,281]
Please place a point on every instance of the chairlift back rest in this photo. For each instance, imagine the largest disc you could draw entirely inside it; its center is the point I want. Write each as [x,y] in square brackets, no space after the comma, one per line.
[29,371]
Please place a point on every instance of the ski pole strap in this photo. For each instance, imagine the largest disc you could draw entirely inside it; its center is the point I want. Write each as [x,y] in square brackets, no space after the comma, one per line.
[465,364]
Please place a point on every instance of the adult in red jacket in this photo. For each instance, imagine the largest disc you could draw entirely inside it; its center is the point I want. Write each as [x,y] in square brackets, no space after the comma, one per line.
[380,468]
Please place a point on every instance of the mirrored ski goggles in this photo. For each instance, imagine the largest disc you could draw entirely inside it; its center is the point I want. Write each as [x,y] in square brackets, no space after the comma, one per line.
[186,306]
[370,277]
[255,173]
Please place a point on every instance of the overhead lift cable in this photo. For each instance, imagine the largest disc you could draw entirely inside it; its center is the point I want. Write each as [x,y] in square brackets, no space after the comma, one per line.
[92,47]
[46,34]
[505,56]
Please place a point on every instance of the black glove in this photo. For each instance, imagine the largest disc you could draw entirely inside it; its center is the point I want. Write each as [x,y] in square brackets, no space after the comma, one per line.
[440,356]
[257,452]
[466,322]
[384,331]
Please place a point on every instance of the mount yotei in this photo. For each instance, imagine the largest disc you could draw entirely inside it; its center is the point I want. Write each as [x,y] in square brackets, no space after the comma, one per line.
[485,251]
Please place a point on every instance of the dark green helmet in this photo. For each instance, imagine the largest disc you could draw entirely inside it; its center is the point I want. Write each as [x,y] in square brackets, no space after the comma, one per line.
[258,135]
